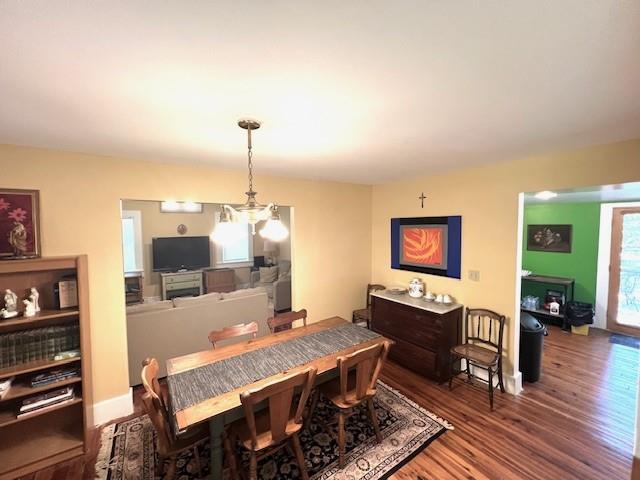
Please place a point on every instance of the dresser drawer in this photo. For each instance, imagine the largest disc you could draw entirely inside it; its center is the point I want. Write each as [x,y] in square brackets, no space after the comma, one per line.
[420,360]
[183,285]
[181,278]
[406,323]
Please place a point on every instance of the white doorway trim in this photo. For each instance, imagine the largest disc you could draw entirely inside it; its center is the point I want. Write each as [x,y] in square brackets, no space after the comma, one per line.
[604,256]
[515,381]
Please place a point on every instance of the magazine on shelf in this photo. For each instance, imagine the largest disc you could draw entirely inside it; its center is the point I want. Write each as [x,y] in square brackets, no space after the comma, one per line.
[49,406]
[46,399]
[54,376]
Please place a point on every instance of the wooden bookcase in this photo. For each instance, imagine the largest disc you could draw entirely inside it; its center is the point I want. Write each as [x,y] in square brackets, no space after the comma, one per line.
[57,433]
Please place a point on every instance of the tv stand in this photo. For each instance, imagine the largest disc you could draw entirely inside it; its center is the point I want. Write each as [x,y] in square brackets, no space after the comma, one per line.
[181,284]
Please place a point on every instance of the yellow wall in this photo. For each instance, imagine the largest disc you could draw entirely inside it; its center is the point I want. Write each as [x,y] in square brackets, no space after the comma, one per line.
[340,235]
[80,210]
[487,199]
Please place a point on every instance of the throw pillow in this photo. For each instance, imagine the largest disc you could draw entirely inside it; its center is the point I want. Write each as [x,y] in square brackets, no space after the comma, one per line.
[188,301]
[149,307]
[285,268]
[268,274]
[245,292]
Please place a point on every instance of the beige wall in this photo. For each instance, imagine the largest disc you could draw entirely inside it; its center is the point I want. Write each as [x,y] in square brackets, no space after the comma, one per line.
[487,199]
[80,209]
[158,224]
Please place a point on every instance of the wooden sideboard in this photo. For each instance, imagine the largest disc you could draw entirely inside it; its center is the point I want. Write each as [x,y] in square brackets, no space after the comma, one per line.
[220,280]
[424,332]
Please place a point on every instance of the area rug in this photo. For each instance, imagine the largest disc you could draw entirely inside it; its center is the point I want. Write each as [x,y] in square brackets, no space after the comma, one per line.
[128,449]
[626,340]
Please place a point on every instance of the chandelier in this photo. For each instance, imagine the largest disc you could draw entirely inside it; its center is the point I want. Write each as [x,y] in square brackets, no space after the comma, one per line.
[233,220]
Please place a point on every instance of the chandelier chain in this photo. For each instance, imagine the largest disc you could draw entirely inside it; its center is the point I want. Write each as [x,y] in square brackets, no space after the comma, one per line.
[250,162]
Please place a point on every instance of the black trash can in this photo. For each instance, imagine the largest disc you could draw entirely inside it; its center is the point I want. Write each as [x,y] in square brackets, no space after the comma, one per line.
[532,333]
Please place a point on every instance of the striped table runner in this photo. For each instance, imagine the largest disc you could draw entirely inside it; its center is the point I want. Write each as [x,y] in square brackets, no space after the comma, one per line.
[193,386]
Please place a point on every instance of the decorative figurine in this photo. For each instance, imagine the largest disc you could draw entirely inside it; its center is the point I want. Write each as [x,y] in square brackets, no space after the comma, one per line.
[29,308]
[18,239]
[10,309]
[35,298]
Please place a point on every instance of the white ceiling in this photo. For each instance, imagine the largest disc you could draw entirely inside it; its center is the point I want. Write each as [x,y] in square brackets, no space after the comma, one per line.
[363,91]
[625,192]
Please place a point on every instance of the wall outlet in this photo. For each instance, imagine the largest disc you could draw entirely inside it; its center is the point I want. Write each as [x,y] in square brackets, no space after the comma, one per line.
[474,275]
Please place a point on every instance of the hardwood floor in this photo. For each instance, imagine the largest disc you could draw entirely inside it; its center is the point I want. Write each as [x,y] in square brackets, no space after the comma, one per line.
[577,422]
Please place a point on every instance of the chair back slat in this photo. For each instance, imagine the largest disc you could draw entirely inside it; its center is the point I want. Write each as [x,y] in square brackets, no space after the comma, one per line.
[484,327]
[286,320]
[372,287]
[280,397]
[367,364]
[155,405]
[233,331]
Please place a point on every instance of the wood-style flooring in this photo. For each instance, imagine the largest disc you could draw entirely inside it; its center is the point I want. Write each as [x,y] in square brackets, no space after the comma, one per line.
[577,422]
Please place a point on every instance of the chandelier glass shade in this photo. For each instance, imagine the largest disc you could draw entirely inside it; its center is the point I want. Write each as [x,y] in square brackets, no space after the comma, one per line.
[234,218]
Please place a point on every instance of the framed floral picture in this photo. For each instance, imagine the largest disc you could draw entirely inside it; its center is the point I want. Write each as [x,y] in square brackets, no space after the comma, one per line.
[19,223]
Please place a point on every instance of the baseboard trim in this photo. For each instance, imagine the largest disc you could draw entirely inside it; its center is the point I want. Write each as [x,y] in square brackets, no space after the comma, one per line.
[512,383]
[112,408]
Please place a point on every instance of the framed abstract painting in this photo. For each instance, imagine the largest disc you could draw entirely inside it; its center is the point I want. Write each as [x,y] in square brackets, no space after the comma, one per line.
[429,245]
[19,224]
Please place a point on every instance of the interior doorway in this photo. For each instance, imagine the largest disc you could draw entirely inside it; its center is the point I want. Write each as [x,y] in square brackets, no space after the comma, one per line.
[623,312]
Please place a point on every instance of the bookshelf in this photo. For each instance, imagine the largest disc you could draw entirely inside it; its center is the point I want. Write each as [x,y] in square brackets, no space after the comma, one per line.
[57,432]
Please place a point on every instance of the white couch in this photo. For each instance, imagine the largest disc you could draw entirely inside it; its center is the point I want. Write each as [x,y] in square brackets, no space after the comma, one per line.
[180,326]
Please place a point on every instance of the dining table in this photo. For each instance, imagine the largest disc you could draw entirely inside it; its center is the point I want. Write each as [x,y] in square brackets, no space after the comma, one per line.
[206,386]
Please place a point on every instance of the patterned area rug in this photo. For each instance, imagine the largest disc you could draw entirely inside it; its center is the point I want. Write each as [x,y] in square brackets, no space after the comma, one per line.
[128,451]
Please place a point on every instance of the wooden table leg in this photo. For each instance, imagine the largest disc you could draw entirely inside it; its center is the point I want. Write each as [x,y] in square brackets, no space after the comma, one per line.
[216,427]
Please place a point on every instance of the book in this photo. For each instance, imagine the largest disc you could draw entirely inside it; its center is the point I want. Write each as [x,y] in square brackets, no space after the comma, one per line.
[45,408]
[54,376]
[47,398]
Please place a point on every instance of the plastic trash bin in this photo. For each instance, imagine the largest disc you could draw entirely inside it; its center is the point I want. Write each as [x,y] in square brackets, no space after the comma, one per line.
[532,333]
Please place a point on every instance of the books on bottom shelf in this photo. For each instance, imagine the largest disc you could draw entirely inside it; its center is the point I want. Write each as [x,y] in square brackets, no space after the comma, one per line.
[45,401]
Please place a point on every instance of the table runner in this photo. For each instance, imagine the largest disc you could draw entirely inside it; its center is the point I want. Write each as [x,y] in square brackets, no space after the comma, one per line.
[193,386]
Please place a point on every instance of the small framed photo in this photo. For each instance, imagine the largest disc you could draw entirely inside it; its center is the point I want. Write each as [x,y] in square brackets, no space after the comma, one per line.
[19,224]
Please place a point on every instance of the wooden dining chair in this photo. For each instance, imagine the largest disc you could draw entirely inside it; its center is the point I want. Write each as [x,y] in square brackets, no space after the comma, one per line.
[356,385]
[284,321]
[264,432]
[364,314]
[484,330]
[169,444]
[233,331]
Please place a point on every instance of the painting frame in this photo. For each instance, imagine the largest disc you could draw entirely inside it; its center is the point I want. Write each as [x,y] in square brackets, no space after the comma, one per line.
[444,260]
[20,206]
[552,238]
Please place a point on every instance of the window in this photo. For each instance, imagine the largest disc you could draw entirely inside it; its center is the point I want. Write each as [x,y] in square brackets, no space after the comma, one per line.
[132,241]
[237,254]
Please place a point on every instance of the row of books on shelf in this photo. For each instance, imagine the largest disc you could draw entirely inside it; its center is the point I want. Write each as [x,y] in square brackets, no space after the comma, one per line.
[37,344]
[45,401]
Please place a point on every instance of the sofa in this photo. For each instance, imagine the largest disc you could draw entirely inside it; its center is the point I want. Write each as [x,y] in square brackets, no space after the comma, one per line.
[172,328]
[276,281]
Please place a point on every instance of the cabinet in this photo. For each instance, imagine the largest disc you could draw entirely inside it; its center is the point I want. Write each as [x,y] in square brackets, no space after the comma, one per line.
[220,280]
[181,284]
[29,346]
[133,288]
[424,333]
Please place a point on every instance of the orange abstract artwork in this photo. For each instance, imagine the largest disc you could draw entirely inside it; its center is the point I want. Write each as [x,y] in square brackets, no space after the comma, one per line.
[422,245]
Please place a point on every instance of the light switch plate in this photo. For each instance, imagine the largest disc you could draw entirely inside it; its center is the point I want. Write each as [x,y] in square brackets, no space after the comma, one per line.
[474,275]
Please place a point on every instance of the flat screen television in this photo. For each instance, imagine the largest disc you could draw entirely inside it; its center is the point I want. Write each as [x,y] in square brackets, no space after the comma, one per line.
[171,254]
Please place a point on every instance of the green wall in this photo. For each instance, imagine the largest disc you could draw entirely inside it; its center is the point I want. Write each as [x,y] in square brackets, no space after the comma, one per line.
[581,263]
